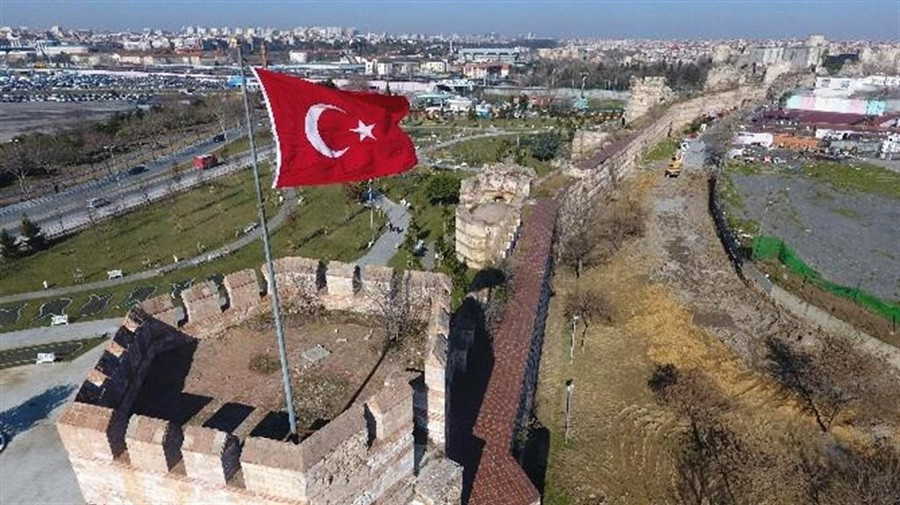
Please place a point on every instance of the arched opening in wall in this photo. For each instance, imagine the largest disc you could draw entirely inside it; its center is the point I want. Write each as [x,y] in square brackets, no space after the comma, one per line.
[499,199]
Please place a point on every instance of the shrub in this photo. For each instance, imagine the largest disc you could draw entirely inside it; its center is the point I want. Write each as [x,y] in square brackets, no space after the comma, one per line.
[264,364]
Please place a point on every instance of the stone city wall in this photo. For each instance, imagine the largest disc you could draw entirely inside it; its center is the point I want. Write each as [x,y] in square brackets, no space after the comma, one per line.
[602,178]
[488,214]
[646,93]
[359,456]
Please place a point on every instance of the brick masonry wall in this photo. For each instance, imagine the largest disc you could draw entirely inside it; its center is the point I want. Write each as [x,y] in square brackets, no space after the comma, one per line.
[123,458]
[517,347]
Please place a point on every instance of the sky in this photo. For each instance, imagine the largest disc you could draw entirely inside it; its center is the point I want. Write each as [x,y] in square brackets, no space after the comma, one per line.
[660,19]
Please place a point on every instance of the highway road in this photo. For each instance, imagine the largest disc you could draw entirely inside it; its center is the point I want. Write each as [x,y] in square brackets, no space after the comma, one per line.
[68,210]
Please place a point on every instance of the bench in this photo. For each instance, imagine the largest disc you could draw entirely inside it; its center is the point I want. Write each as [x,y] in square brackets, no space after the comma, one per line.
[114,274]
[59,320]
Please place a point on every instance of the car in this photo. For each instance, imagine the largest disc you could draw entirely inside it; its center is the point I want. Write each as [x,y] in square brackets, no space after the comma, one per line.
[137,170]
[96,203]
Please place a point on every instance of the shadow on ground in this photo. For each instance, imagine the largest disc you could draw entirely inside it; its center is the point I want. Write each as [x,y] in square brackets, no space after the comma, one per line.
[25,416]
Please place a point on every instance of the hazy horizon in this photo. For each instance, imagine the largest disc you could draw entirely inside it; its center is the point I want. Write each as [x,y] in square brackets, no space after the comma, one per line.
[647,19]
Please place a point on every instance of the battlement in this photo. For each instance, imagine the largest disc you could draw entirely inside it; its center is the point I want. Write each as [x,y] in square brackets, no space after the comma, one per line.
[241,451]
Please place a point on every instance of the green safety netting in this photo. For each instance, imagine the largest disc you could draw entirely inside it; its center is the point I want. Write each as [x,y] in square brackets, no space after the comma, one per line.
[765,248]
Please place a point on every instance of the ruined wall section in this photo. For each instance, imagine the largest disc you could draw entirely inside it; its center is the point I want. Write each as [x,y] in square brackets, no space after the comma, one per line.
[489,213]
[121,457]
[601,179]
[646,93]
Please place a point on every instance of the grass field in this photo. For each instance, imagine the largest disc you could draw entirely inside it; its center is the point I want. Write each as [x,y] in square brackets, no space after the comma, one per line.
[325,226]
[862,177]
[65,351]
[663,150]
[183,225]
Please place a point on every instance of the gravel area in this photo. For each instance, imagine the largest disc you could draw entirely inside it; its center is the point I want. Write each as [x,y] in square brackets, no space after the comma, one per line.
[851,238]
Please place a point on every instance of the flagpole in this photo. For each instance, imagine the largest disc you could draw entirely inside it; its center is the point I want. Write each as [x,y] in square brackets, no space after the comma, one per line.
[272,288]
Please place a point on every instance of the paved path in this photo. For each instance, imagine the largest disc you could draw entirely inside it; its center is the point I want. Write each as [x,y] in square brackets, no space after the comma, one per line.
[53,334]
[389,241]
[381,252]
[274,223]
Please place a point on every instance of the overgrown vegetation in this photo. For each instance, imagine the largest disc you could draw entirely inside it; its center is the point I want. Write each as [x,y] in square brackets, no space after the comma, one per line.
[862,177]
[662,151]
[264,364]
[594,234]
[680,76]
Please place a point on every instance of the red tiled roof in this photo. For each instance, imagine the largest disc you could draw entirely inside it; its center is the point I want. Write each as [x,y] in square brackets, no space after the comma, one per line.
[499,478]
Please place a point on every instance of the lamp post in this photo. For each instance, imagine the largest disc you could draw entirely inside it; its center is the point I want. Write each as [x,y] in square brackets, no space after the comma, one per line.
[575,320]
[570,389]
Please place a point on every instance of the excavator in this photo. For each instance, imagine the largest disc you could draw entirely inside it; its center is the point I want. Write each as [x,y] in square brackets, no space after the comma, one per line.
[674,168]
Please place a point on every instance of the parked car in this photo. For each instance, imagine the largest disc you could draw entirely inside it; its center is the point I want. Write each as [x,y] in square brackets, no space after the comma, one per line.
[96,203]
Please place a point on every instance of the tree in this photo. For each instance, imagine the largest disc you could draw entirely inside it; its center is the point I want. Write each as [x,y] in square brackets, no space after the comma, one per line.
[32,234]
[9,248]
[355,191]
[523,102]
[442,189]
[590,305]
[357,82]
[800,373]
[545,146]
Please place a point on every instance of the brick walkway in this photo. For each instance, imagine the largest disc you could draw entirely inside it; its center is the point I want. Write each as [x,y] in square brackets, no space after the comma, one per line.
[509,370]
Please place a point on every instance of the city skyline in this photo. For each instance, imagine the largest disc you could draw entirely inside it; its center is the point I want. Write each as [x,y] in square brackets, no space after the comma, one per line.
[652,19]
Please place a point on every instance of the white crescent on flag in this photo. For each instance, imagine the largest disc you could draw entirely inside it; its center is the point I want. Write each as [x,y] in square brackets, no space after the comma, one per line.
[312,130]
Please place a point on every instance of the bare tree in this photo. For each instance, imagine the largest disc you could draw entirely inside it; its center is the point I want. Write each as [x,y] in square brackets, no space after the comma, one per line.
[357,82]
[592,233]
[590,306]
[714,463]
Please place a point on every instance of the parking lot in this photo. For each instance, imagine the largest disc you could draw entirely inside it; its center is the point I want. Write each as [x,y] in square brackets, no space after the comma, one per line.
[46,117]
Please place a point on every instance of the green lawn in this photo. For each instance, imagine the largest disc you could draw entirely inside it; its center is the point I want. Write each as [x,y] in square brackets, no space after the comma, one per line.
[325,226]
[182,225]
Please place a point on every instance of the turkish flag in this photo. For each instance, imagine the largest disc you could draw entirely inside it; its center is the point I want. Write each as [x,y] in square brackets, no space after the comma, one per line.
[324,135]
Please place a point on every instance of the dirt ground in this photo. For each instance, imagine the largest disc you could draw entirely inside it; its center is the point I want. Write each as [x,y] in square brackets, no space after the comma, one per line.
[676,299]
[193,384]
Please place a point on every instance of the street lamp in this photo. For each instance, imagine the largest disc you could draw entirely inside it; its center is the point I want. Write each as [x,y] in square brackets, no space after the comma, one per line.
[575,320]
[570,389]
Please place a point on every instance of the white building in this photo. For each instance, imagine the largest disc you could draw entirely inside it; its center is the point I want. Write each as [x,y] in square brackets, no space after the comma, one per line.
[298,56]
[434,67]
[750,138]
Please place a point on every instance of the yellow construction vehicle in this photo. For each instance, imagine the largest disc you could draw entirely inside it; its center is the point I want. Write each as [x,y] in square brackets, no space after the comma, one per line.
[674,168]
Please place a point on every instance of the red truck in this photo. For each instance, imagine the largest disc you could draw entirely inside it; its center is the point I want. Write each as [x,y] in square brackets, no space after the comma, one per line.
[204,161]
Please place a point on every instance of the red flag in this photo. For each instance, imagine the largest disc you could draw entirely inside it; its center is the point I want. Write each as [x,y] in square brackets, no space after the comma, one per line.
[325,135]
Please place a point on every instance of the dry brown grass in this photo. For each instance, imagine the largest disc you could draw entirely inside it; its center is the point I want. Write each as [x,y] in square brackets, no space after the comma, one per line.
[625,446]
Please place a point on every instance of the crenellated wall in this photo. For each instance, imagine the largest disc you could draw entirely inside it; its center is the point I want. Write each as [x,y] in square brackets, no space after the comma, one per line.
[364,453]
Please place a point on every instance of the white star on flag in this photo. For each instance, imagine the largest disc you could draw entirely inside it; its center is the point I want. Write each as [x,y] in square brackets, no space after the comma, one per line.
[364,130]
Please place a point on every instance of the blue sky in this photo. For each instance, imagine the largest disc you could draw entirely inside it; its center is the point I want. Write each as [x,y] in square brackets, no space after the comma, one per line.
[837,19]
